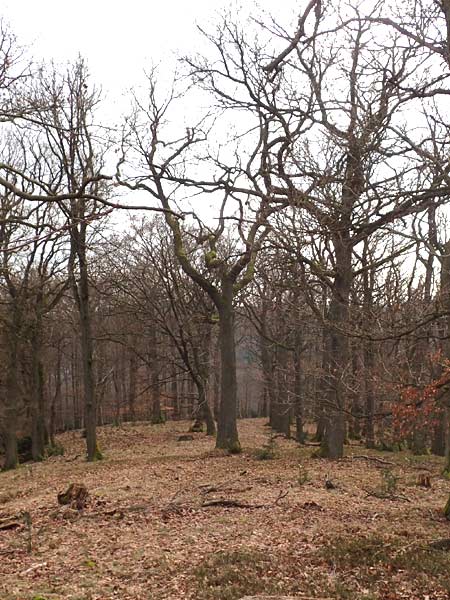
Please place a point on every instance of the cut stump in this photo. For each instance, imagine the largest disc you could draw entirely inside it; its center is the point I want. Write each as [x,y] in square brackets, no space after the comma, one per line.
[75,496]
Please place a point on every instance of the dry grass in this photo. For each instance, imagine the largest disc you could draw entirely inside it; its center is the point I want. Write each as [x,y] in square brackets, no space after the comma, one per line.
[146,535]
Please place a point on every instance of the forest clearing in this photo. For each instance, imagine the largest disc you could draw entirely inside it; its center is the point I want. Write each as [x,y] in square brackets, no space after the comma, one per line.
[225,300]
[154,526]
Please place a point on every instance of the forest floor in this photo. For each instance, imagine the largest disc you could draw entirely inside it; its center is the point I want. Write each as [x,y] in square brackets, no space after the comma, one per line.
[148,532]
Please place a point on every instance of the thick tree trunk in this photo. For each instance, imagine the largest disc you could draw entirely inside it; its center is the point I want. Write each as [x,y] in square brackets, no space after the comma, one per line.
[10,412]
[227,434]
[337,355]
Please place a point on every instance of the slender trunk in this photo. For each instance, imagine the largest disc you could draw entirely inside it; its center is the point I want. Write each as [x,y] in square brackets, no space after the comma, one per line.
[369,395]
[156,415]
[216,385]
[205,409]
[445,305]
[227,434]
[354,430]
[39,430]
[56,398]
[132,388]
[267,368]
[283,406]
[438,439]
[174,393]
[298,392]
[81,292]
[87,352]
[319,401]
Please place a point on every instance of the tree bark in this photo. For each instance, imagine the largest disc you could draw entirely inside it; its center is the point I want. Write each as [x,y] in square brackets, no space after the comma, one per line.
[336,353]
[39,430]
[298,392]
[11,406]
[445,305]
[227,434]
[81,292]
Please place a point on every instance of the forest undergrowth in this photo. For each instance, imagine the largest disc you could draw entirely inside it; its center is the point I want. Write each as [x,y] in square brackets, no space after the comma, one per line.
[169,519]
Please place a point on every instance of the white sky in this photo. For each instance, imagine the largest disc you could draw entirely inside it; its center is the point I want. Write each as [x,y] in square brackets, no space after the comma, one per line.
[118,38]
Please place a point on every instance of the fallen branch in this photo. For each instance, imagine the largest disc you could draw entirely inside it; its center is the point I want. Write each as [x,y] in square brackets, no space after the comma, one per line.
[384,496]
[229,503]
[373,458]
[440,545]
[9,524]
[208,488]
[232,504]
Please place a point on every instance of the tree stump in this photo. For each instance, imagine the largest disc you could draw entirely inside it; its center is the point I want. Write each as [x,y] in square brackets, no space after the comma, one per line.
[197,426]
[76,496]
[424,480]
[185,438]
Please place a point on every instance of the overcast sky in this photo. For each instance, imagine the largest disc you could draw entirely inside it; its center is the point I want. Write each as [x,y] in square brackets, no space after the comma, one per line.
[118,38]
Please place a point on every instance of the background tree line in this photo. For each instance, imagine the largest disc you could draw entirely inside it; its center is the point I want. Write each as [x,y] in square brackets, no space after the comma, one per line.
[287,254]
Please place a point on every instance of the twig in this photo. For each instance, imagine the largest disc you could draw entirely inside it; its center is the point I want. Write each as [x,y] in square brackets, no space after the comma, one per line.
[33,568]
[281,495]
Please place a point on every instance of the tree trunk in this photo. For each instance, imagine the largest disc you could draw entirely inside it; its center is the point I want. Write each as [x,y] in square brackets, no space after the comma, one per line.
[205,410]
[156,415]
[369,429]
[336,354]
[227,434]
[445,305]
[298,399]
[354,429]
[90,401]
[282,406]
[81,291]
[132,388]
[438,439]
[10,419]
[39,429]
[267,364]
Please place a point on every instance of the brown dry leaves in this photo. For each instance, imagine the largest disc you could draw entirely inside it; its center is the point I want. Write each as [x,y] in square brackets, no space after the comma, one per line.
[146,534]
